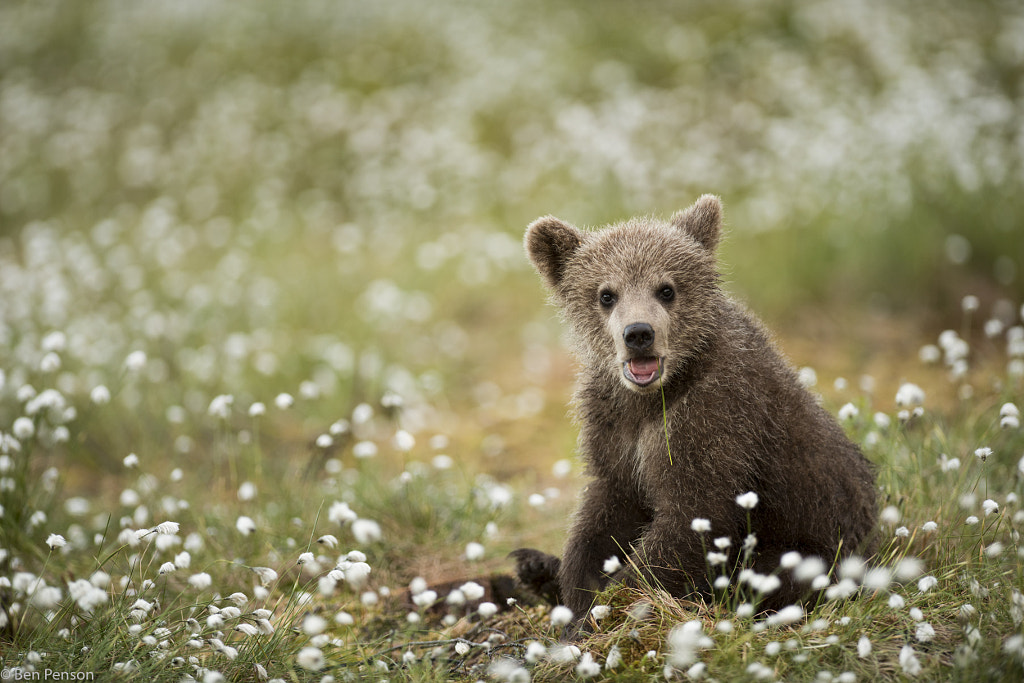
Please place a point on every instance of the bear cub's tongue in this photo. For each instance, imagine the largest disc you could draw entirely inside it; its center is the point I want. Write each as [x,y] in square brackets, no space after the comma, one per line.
[643,369]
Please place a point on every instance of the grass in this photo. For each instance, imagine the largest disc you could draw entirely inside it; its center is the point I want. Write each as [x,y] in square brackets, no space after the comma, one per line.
[274,254]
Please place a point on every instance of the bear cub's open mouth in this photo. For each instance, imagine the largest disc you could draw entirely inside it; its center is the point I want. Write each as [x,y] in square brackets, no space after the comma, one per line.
[642,371]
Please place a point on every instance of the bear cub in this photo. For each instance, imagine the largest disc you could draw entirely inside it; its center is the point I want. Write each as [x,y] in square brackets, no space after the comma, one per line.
[683,406]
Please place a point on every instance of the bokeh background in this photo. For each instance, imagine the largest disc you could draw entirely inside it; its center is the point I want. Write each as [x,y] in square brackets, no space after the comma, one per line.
[327,197]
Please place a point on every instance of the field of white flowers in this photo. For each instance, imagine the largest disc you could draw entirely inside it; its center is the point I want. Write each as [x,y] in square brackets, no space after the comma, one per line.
[278,391]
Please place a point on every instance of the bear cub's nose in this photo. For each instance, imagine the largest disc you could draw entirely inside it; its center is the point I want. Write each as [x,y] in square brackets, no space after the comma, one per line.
[638,336]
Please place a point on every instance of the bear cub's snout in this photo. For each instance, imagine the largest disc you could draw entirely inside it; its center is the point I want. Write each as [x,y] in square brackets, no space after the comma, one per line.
[638,336]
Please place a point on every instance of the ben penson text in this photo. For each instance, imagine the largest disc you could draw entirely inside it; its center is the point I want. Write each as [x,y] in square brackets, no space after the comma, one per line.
[19,674]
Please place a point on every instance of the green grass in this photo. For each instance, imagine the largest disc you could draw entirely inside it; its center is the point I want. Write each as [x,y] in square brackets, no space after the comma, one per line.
[326,200]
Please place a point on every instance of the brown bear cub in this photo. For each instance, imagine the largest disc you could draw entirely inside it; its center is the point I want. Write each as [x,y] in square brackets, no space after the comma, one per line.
[684,405]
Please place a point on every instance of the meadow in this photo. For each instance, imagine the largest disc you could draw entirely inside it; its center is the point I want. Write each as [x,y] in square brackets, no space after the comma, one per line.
[279,390]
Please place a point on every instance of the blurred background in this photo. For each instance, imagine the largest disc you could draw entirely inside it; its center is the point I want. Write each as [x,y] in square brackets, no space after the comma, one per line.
[328,197]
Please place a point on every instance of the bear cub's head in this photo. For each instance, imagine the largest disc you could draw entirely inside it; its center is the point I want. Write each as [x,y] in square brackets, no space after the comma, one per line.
[640,296]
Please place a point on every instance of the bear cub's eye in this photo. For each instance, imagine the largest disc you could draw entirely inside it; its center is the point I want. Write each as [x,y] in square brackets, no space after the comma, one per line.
[666,293]
[607,298]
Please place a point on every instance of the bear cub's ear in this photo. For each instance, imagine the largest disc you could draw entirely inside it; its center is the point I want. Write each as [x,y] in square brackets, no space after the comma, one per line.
[550,243]
[702,221]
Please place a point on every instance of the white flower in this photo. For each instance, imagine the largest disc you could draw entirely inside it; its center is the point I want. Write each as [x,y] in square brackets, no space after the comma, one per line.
[599,612]
[909,661]
[929,354]
[614,658]
[357,573]
[87,595]
[310,658]
[982,453]
[100,395]
[340,513]
[877,578]
[929,527]
[404,441]
[612,565]
[424,598]
[487,609]
[926,583]
[472,590]
[135,361]
[560,615]
[201,580]
[257,409]
[863,647]
[324,441]
[990,506]
[700,525]
[790,560]
[284,401]
[747,500]
[787,615]
[366,531]
[23,428]
[896,601]
[220,406]
[1014,645]
[166,528]
[809,569]
[306,558]
[508,670]
[362,413]
[971,520]
[848,412]
[56,541]
[313,625]
[684,641]
[474,551]
[947,464]
[246,491]
[925,632]
[902,532]
[766,583]
[890,515]
[364,449]
[245,525]
[587,667]
[715,559]
[328,540]
[909,395]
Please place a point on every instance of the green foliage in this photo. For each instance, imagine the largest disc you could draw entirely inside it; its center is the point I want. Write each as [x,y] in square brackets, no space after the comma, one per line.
[261,276]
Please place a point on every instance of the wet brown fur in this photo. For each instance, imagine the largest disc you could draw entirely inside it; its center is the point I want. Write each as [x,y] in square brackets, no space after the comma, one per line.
[737,418]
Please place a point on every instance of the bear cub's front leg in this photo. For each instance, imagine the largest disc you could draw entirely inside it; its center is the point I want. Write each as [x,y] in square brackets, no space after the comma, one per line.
[538,572]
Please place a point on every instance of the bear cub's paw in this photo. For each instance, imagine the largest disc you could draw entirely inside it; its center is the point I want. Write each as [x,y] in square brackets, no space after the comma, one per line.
[538,572]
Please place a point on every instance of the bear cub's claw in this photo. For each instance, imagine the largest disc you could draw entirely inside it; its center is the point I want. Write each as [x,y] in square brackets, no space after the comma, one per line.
[538,572]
